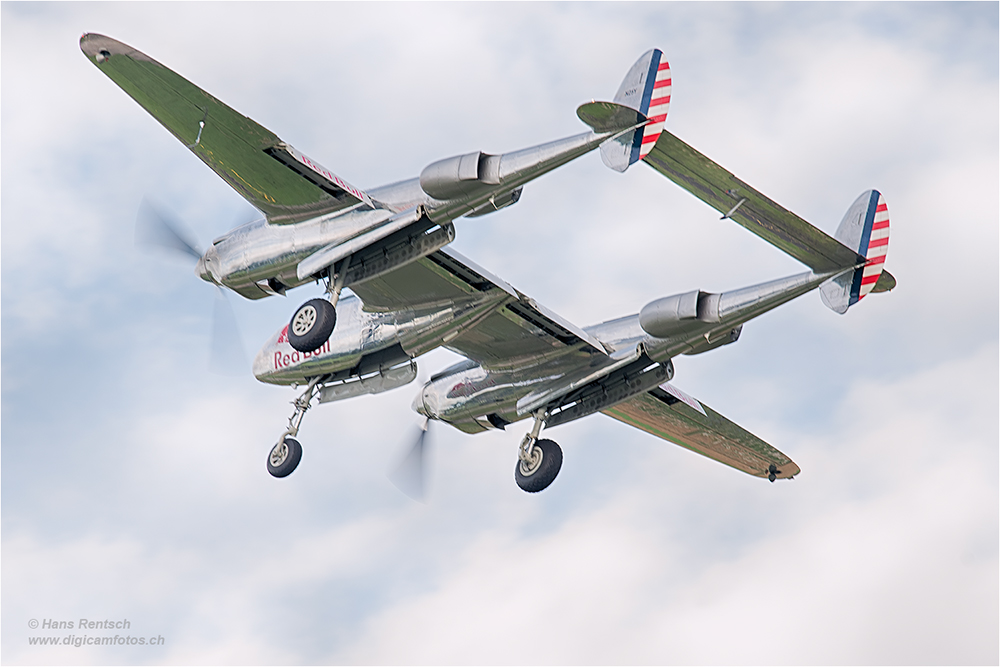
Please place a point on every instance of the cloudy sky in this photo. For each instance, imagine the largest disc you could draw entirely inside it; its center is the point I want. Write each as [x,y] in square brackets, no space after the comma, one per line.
[133,480]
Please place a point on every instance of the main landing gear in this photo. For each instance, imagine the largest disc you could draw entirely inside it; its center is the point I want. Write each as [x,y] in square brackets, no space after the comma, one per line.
[285,456]
[313,322]
[538,461]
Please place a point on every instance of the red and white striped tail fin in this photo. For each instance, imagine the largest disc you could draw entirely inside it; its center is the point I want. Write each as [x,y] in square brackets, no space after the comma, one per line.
[865,228]
[643,99]
[878,246]
[657,107]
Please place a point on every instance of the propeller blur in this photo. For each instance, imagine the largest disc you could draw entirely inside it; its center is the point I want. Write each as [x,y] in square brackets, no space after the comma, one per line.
[409,475]
[154,228]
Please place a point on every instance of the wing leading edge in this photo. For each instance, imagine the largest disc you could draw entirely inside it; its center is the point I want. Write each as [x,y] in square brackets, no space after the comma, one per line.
[283,183]
[668,413]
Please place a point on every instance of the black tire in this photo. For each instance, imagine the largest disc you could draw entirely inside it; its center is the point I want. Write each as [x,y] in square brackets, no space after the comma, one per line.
[311,325]
[282,463]
[544,473]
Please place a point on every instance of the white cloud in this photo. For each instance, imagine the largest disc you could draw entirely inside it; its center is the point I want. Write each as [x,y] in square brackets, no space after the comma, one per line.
[134,484]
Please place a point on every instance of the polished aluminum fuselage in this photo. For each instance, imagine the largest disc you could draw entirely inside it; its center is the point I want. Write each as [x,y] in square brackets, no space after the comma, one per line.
[260,259]
[473,398]
[363,342]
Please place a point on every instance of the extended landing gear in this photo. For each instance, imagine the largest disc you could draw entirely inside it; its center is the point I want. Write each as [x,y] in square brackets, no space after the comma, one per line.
[772,473]
[285,456]
[538,461]
[312,325]
[313,322]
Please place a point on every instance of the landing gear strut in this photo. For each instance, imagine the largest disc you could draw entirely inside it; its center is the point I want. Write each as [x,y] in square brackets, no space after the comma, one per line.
[538,461]
[286,454]
[313,322]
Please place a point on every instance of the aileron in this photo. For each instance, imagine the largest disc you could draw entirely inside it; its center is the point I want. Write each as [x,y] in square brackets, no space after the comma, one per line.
[673,416]
[246,155]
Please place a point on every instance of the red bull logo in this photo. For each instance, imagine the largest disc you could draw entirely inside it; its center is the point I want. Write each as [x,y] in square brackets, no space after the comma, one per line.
[286,359]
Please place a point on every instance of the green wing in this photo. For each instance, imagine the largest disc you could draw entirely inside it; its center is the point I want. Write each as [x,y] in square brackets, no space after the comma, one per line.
[721,190]
[670,414]
[285,185]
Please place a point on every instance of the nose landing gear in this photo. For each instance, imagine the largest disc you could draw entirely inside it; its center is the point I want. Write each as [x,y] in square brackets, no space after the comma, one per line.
[284,457]
[538,461]
[286,454]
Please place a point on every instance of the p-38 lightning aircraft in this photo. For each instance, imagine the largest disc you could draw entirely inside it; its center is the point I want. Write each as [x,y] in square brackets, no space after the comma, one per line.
[412,295]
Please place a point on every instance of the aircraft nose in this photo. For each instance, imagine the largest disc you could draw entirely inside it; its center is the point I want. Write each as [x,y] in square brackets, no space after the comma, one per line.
[262,370]
[418,403]
[203,269]
[426,402]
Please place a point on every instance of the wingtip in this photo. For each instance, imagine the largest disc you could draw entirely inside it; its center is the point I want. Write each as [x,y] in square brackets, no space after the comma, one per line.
[95,46]
[99,48]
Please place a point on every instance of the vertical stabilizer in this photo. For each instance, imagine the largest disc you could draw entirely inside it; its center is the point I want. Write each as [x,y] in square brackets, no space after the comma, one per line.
[865,228]
[646,89]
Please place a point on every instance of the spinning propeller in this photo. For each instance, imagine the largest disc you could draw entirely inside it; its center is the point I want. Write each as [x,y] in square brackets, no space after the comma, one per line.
[154,228]
[409,475]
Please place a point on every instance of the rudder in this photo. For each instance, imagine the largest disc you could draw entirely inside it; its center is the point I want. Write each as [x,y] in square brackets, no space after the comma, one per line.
[865,228]
[645,89]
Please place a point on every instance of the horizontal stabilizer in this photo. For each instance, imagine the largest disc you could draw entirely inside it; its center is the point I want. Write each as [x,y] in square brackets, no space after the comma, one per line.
[669,413]
[885,283]
[737,201]
[609,117]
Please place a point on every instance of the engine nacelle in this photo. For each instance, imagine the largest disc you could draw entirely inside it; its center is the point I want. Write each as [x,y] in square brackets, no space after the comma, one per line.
[682,315]
[460,176]
[678,313]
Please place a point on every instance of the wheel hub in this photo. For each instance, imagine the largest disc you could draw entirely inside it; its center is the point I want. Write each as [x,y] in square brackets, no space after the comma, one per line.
[530,466]
[279,453]
[304,320]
